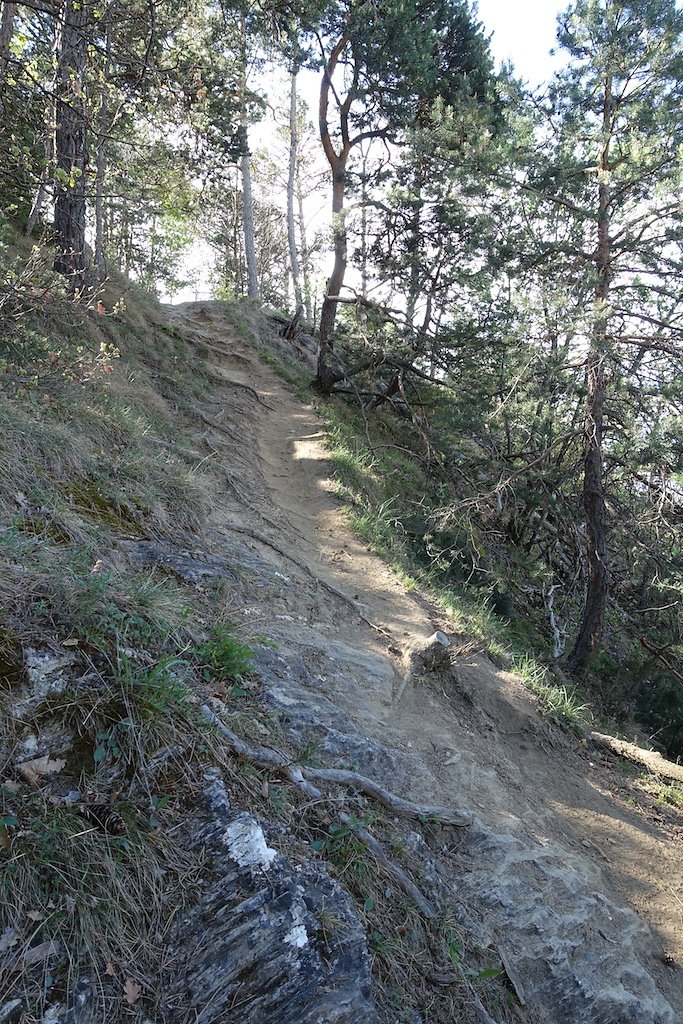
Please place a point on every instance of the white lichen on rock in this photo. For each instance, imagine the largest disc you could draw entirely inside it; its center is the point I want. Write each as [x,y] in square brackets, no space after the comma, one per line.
[297,936]
[247,844]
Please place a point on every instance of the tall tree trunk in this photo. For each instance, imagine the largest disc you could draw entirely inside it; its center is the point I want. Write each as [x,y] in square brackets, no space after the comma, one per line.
[303,242]
[291,185]
[326,376]
[71,144]
[237,235]
[9,11]
[47,172]
[414,250]
[597,584]
[248,220]
[364,227]
[103,126]
[247,198]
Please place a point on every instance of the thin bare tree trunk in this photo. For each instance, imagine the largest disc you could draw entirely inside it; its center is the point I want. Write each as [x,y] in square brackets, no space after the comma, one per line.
[41,195]
[71,143]
[414,250]
[597,584]
[102,162]
[291,185]
[303,242]
[248,222]
[364,228]
[247,198]
[47,173]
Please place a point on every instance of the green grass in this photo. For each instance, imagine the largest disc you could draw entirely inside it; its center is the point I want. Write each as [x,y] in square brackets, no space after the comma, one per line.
[91,456]
[224,657]
[670,793]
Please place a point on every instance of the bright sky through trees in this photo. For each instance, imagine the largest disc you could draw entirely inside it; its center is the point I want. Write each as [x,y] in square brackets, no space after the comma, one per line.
[524,32]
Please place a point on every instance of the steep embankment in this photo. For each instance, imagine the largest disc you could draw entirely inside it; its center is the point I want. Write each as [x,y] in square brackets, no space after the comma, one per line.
[560,877]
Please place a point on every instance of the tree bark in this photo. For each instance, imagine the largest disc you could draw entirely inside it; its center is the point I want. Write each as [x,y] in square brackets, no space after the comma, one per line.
[71,144]
[326,378]
[247,197]
[9,11]
[591,629]
[291,185]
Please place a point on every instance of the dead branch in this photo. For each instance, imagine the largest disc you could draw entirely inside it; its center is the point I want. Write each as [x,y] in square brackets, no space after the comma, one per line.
[650,759]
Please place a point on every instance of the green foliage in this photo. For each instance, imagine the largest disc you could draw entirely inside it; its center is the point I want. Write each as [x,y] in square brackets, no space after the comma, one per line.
[224,657]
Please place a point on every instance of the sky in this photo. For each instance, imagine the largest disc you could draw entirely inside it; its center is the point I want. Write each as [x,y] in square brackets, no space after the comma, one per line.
[524,32]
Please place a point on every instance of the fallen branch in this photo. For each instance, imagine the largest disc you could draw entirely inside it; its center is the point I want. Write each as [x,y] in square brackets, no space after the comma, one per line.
[301,778]
[649,758]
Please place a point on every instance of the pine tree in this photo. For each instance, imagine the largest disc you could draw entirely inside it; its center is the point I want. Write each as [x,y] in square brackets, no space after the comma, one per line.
[396,59]
[617,117]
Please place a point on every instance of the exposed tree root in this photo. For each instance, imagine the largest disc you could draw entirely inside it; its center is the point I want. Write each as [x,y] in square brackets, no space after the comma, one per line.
[404,808]
[231,383]
[216,426]
[300,777]
[350,601]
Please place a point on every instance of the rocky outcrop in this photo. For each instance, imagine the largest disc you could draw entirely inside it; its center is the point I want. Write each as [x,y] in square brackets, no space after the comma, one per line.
[573,954]
[269,942]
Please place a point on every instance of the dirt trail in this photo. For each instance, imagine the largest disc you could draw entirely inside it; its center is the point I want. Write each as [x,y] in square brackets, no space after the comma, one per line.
[479,735]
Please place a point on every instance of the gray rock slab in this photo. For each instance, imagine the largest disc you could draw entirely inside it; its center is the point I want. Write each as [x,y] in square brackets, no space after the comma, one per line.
[269,942]
[577,956]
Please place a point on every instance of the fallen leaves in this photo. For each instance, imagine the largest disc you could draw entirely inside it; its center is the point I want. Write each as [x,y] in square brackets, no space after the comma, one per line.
[32,771]
[131,991]
[38,954]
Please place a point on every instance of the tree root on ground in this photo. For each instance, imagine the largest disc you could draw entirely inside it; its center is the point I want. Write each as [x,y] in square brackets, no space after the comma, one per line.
[231,383]
[350,601]
[300,777]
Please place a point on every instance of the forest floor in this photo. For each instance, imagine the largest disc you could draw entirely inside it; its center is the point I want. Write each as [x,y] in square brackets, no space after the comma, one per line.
[483,740]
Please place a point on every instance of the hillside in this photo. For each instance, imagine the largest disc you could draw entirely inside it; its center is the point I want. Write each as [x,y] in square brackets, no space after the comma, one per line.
[249,772]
